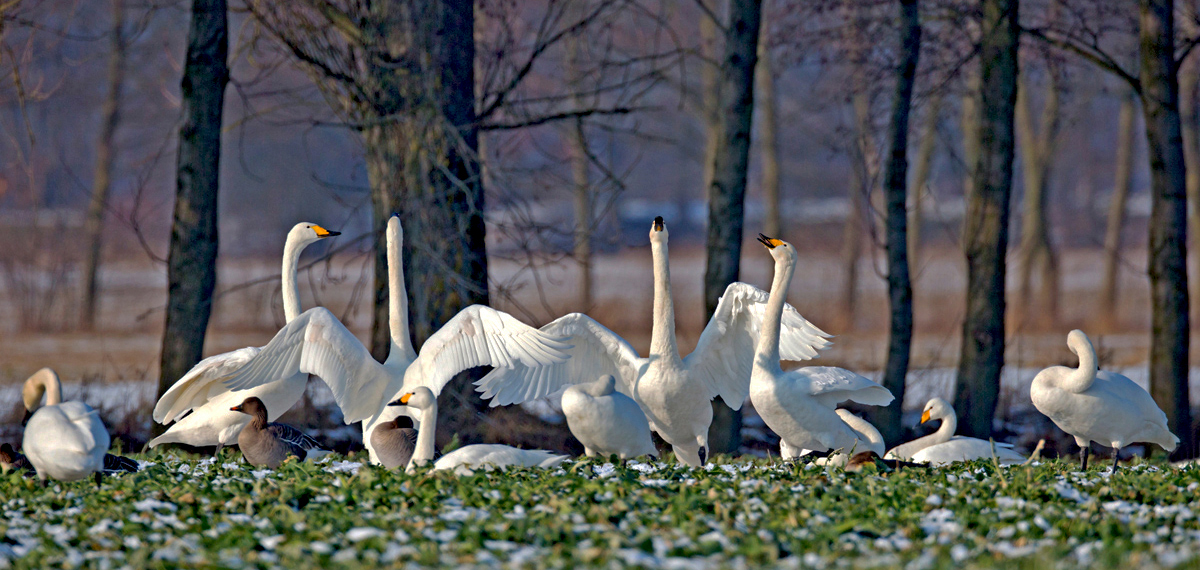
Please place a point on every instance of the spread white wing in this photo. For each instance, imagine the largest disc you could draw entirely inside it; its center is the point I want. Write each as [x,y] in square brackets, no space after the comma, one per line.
[832,386]
[594,351]
[201,383]
[724,356]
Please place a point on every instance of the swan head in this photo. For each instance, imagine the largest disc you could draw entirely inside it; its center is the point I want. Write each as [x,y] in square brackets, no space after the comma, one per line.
[936,409]
[421,398]
[779,249]
[36,386]
[251,406]
[658,231]
[1077,341]
[308,232]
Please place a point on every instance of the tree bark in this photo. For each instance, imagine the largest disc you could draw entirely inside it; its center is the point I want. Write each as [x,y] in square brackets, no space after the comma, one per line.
[710,94]
[985,229]
[1036,253]
[769,129]
[862,178]
[924,162]
[895,371]
[1116,212]
[1168,219]
[192,258]
[582,190]
[969,123]
[93,226]
[726,202]
[1189,79]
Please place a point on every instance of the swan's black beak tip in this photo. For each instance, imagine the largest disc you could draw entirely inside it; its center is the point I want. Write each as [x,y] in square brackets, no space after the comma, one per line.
[765,241]
[658,223]
[25,419]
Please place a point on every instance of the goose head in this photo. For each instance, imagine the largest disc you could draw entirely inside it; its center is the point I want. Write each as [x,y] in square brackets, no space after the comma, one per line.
[251,406]
[782,251]
[658,231]
[421,398]
[305,233]
[936,409]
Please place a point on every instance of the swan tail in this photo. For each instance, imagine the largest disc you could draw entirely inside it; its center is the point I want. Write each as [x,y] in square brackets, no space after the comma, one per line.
[552,461]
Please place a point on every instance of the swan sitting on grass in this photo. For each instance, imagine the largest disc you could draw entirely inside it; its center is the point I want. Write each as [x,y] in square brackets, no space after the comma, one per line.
[943,447]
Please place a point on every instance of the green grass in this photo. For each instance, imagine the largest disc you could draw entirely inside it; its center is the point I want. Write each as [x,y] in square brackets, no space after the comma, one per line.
[182,512]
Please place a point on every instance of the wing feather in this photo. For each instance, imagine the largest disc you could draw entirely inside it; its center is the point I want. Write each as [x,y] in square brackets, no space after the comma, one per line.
[832,386]
[197,386]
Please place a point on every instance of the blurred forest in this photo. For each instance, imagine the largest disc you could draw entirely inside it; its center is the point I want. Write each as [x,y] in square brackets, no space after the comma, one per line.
[1003,171]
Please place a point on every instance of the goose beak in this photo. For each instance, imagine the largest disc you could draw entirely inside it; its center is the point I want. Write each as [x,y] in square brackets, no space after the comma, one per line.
[402,401]
[324,233]
[25,420]
[925,416]
[769,242]
[658,223]
[236,408]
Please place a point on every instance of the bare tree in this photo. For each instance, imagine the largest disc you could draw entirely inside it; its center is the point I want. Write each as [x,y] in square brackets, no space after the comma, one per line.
[192,258]
[726,195]
[105,160]
[921,175]
[985,229]
[764,76]
[1116,210]
[1036,252]
[580,164]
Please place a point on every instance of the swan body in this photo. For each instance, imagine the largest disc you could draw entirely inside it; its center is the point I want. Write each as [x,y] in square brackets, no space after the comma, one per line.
[606,421]
[1097,405]
[65,441]
[942,447]
[800,405]
[202,392]
[318,343]
[468,457]
[673,392]
[867,437]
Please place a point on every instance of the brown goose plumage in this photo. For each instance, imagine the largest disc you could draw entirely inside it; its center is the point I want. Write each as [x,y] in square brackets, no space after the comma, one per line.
[268,444]
[394,442]
[10,459]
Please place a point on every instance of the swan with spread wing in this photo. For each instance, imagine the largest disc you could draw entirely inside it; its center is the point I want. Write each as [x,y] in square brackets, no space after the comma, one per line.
[318,343]
[673,391]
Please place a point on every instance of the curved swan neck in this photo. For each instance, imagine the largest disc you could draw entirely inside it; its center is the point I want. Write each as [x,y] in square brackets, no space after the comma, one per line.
[44,381]
[947,430]
[1081,378]
[662,334]
[423,452]
[291,289]
[398,298]
[768,339]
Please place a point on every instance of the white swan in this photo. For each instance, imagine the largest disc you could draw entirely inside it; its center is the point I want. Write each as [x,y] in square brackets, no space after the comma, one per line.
[869,438]
[800,405]
[201,390]
[1097,405]
[942,446]
[673,392]
[467,457]
[606,421]
[318,343]
[63,440]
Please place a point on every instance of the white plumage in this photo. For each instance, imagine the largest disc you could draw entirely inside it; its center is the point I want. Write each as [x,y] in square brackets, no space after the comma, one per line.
[943,447]
[867,437]
[606,421]
[673,392]
[65,441]
[202,390]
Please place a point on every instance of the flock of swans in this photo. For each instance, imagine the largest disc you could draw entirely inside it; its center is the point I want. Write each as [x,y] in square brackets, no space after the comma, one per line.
[612,397]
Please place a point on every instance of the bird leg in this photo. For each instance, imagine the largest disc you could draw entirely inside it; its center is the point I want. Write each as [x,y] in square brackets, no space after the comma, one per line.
[217,453]
[1083,456]
[45,483]
[99,476]
[1116,456]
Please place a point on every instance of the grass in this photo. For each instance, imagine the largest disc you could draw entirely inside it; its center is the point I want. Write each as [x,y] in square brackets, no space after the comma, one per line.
[199,513]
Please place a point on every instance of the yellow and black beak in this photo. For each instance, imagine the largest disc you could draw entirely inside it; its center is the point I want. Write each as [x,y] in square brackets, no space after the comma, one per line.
[925,416]
[771,243]
[25,420]
[402,400]
[324,233]
[658,223]
[237,408]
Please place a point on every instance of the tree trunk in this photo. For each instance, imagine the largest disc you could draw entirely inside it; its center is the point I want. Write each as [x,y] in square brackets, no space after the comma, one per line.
[769,129]
[710,95]
[1189,78]
[583,192]
[985,229]
[726,203]
[862,179]
[969,123]
[1036,252]
[895,183]
[192,258]
[924,162]
[1116,212]
[93,226]
[1168,220]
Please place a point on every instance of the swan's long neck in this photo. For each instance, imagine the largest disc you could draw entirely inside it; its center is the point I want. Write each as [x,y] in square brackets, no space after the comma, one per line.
[423,453]
[44,381]
[947,430]
[291,289]
[663,346]
[398,302]
[1081,378]
[768,339]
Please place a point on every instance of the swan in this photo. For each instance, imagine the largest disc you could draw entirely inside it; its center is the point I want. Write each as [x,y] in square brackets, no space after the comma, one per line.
[942,446]
[673,392]
[200,390]
[800,405]
[468,457]
[1097,405]
[63,440]
[868,437]
[318,343]
[606,421]
[268,444]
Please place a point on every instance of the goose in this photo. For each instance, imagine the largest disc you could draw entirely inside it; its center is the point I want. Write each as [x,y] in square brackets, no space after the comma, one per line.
[201,391]
[943,447]
[268,444]
[1098,405]
[394,442]
[63,440]
[468,457]
[318,343]
[10,460]
[800,405]
[868,437]
[606,421]
[673,392]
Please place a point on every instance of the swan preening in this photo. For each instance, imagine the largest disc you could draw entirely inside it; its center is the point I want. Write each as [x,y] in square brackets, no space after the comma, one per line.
[201,391]
[318,343]
[472,456]
[673,392]
[606,421]
[942,446]
[1097,405]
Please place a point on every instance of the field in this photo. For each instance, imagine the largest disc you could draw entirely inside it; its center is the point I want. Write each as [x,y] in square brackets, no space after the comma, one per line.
[205,513]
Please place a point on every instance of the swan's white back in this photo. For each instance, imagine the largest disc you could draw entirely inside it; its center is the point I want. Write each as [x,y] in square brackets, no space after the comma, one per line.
[481,455]
[966,449]
[66,441]
[605,421]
